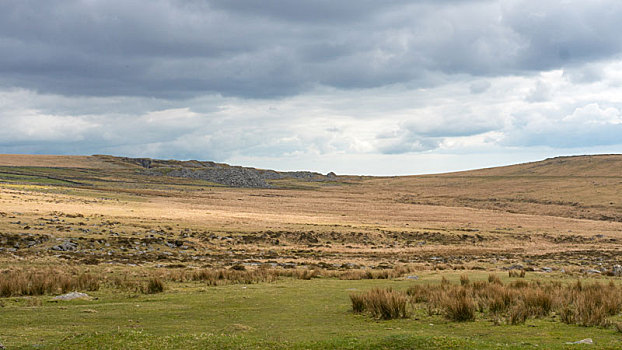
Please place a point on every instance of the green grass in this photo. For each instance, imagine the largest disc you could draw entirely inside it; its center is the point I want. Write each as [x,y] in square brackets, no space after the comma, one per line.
[296,314]
[20,178]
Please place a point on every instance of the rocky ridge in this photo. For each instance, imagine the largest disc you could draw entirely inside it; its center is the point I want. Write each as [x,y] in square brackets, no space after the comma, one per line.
[224,174]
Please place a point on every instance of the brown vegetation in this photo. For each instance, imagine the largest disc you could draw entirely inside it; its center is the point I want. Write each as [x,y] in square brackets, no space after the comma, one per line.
[515,302]
[45,281]
[383,304]
[155,285]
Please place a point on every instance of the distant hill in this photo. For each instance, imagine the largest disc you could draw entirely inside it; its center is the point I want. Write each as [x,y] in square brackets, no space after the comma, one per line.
[583,187]
[217,173]
[592,165]
[52,161]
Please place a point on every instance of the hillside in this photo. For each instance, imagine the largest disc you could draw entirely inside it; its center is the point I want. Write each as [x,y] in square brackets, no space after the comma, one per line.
[592,165]
[87,170]
[585,187]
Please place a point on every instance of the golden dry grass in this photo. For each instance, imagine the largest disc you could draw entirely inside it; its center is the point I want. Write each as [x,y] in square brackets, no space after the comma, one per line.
[435,222]
[40,160]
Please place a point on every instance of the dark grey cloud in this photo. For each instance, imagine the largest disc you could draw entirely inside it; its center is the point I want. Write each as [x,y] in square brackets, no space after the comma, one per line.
[175,49]
[559,33]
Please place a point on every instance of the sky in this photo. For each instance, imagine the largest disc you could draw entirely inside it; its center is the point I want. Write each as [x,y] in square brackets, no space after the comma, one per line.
[353,86]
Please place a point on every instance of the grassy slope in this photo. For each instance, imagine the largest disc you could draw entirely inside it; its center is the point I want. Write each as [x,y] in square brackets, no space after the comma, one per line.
[585,187]
[286,314]
[592,166]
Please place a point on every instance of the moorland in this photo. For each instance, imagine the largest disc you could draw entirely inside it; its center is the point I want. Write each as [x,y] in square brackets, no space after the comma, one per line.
[189,254]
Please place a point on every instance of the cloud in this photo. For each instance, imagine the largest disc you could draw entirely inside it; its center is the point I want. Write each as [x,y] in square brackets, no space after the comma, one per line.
[479,86]
[589,125]
[541,92]
[177,49]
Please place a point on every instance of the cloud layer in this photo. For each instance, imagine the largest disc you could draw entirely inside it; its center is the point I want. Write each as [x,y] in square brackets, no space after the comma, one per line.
[280,80]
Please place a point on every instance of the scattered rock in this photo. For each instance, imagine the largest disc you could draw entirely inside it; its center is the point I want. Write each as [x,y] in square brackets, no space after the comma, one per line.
[593,271]
[72,296]
[547,269]
[412,277]
[582,341]
[514,267]
[65,246]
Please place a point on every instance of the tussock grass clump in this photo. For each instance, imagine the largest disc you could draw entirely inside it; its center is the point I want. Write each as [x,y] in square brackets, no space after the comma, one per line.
[516,274]
[306,274]
[358,303]
[385,304]
[458,305]
[217,277]
[154,285]
[578,303]
[593,304]
[464,280]
[492,278]
[45,281]
[518,313]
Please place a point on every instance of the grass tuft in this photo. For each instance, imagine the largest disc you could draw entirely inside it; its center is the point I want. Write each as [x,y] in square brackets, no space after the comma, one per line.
[385,304]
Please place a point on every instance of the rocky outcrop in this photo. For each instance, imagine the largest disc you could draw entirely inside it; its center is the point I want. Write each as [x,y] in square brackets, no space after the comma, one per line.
[232,176]
[224,174]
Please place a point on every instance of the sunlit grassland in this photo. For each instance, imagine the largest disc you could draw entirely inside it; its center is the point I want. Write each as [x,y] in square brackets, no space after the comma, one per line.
[284,314]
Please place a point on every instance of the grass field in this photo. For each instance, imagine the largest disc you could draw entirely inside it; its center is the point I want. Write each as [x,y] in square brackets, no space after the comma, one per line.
[317,241]
[285,314]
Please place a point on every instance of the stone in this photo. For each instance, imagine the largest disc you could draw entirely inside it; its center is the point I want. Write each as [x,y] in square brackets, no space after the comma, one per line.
[582,341]
[65,246]
[514,267]
[72,296]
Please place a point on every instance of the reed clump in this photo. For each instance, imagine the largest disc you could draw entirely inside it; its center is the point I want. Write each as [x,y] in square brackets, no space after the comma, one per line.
[577,303]
[385,304]
[32,282]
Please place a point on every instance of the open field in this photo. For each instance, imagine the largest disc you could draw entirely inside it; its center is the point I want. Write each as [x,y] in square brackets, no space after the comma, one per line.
[315,238]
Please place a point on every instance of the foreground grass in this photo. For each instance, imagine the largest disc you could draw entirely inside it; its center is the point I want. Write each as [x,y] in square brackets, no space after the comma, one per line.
[285,314]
